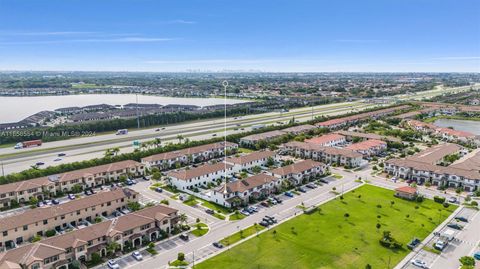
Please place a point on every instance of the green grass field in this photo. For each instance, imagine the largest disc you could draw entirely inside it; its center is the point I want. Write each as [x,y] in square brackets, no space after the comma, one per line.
[328,239]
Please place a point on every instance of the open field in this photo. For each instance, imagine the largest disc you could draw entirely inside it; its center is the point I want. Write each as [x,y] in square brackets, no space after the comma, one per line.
[329,239]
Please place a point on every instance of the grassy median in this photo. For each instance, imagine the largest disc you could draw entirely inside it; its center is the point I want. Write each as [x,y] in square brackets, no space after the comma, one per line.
[340,234]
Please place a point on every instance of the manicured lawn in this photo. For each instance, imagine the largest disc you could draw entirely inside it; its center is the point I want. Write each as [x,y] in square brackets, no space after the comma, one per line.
[215,207]
[191,202]
[199,232]
[328,239]
[237,216]
[245,150]
[232,239]
[219,216]
[337,176]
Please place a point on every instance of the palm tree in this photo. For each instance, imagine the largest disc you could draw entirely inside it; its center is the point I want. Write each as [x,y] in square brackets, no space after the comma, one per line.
[180,138]
[157,142]
[183,218]
[116,150]
[112,247]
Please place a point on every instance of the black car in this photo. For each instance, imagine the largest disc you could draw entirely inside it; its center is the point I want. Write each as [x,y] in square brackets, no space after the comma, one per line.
[61,154]
[455,226]
[55,202]
[146,178]
[210,211]
[311,186]
[264,223]
[86,192]
[217,245]
[40,163]
[184,237]
[323,181]
[461,219]
[413,243]
[278,200]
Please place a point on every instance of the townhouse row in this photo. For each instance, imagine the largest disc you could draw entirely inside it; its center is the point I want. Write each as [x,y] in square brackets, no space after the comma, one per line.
[446,134]
[204,175]
[19,228]
[330,155]
[354,119]
[186,156]
[241,192]
[425,167]
[39,188]
[251,140]
[133,229]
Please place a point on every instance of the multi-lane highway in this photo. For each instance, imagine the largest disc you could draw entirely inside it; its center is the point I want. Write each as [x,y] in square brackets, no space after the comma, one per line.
[84,148]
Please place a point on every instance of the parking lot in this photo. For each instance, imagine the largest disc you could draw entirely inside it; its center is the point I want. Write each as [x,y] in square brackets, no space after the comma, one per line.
[463,243]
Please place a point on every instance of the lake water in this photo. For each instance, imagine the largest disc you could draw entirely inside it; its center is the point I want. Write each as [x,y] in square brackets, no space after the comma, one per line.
[461,125]
[13,109]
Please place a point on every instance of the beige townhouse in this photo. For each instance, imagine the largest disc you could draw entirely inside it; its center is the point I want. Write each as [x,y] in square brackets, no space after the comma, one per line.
[20,228]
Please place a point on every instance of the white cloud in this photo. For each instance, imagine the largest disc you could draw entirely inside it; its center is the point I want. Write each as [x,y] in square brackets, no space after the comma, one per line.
[458,58]
[134,39]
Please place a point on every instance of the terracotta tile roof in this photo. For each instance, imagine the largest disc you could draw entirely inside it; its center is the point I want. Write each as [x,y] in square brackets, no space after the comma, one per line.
[366,145]
[325,139]
[296,168]
[43,213]
[77,174]
[369,136]
[58,244]
[406,189]
[327,150]
[246,184]
[188,151]
[186,174]
[251,157]
[299,129]
[435,153]
[263,136]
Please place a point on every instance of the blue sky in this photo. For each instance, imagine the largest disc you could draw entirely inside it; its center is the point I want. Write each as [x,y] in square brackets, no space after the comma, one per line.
[263,35]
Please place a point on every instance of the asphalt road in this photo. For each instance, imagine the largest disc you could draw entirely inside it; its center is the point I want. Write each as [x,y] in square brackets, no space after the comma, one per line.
[201,248]
[194,131]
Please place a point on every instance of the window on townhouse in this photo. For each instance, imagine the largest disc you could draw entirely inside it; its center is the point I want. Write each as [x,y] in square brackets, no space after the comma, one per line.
[3,195]
[80,249]
[25,227]
[109,203]
[36,266]
[165,222]
[45,222]
[78,212]
[5,233]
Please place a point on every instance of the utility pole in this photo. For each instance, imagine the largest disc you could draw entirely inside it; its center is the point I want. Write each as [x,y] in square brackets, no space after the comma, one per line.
[3,171]
[138,116]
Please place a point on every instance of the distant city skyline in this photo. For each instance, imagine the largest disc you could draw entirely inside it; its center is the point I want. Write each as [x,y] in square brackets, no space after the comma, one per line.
[268,36]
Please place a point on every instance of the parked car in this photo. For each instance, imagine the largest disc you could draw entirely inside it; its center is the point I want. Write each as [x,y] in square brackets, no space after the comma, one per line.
[288,193]
[311,186]
[47,202]
[92,191]
[55,202]
[301,189]
[137,255]
[146,178]
[86,192]
[217,245]
[253,208]
[452,200]
[134,181]
[455,226]
[112,264]
[184,237]
[158,189]
[264,223]
[440,245]
[129,182]
[245,212]
[278,200]
[477,255]
[461,219]
[210,211]
[272,201]
[61,154]
[71,196]
[414,243]
[419,263]
[265,204]
[323,181]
